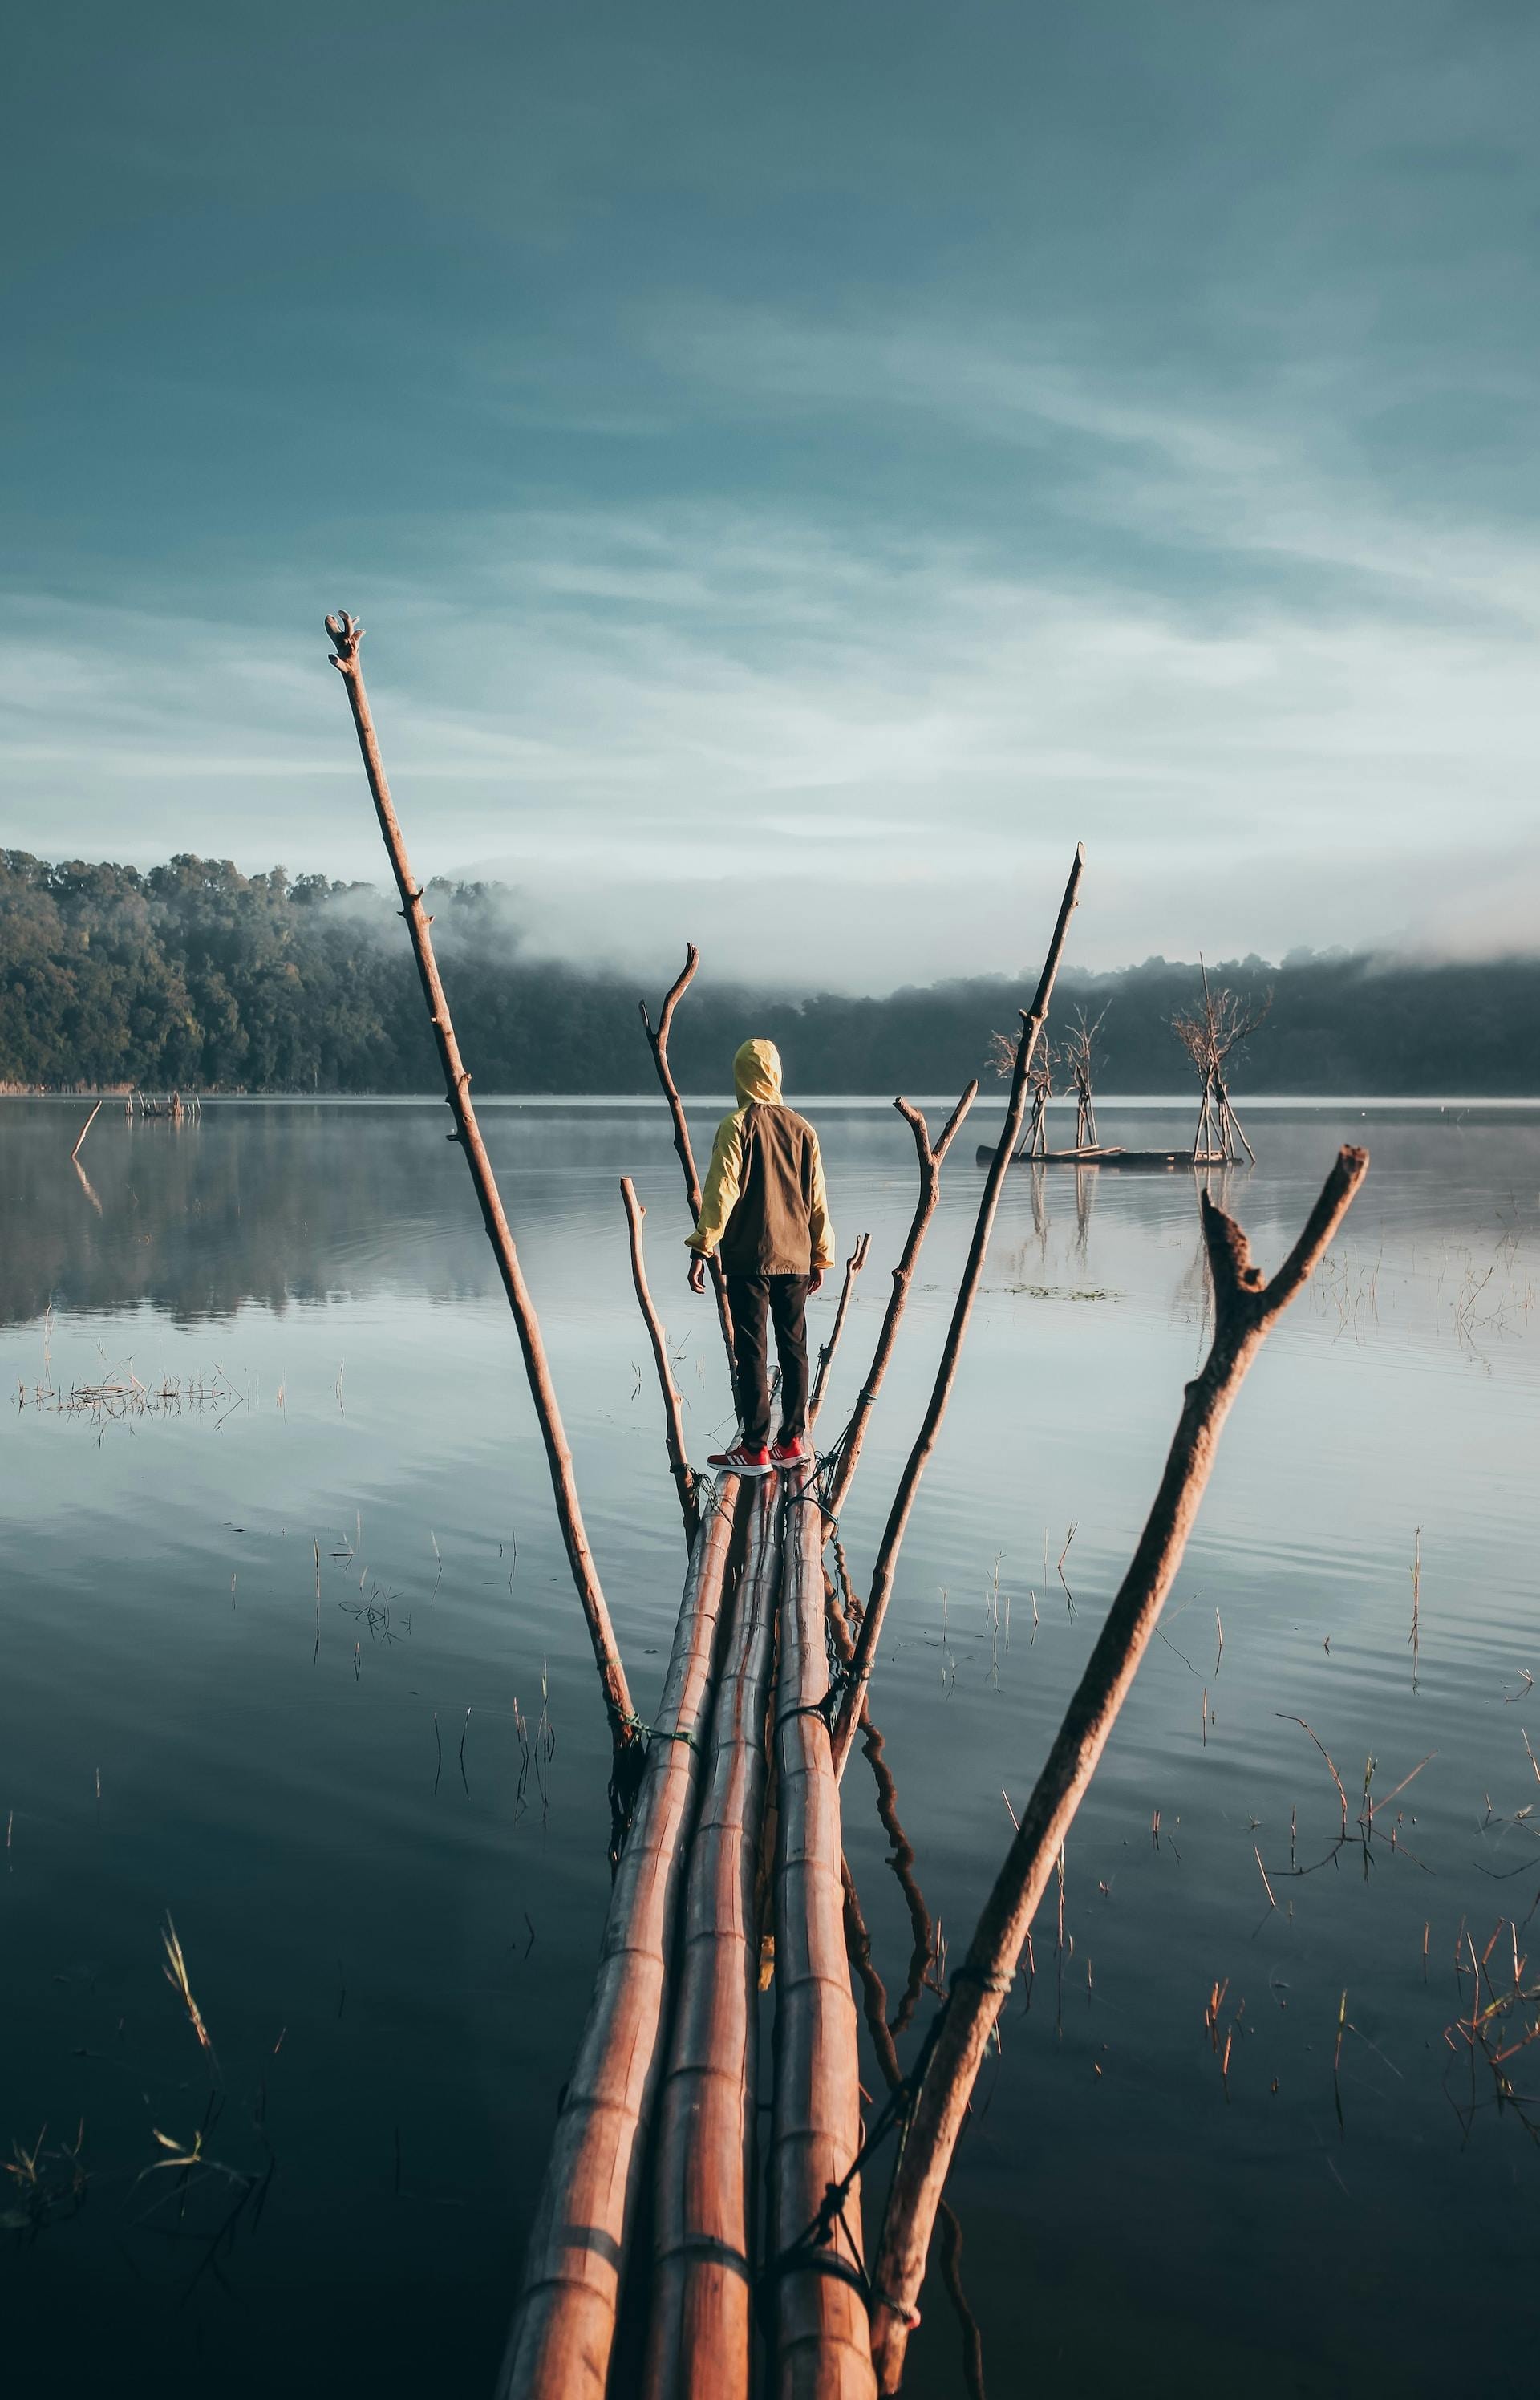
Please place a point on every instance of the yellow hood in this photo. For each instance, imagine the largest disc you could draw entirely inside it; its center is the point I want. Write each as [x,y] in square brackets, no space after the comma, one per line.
[756,1071]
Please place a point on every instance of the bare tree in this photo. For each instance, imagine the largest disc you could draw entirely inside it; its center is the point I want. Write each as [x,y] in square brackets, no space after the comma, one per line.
[1214,1033]
[1040,1083]
[1078,1056]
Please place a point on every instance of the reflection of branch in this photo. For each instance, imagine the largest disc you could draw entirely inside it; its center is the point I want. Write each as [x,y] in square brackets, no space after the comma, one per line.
[853,1266]
[874,2007]
[874,1992]
[1245,1310]
[898,1515]
[674,1431]
[951,2275]
[924,1210]
[922,1947]
[901,1858]
[347,636]
[658,1045]
[86,1184]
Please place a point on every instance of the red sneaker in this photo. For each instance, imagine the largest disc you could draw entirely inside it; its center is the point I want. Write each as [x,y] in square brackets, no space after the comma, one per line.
[790,1451]
[742,1459]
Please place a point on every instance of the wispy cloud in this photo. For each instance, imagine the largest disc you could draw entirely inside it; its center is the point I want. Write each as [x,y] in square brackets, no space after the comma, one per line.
[815,501]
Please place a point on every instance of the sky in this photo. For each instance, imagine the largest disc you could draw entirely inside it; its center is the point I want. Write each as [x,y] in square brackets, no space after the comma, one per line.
[800,469]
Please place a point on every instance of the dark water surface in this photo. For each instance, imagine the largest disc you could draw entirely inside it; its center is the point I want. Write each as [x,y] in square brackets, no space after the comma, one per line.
[389,1925]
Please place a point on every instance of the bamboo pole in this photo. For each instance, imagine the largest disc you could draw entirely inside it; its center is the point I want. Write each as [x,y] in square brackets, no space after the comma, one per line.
[898,1515]
[853,1266]
[658,1045]
[563,2329]
[702,2323]
[1245,1311]
[673,1428]
[822,2343]
[347,636]
[930,1157]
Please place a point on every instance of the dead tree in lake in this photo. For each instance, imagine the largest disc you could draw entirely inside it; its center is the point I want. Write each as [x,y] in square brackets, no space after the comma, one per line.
[1079,1055]
[1040,1083]
[1212,1034]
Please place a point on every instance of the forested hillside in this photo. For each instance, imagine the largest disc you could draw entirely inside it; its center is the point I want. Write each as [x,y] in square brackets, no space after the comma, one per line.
[192,974]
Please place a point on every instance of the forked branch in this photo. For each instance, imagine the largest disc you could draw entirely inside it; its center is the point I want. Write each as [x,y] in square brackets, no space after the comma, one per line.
[1245,1310]
[930,1157]
[658,1045]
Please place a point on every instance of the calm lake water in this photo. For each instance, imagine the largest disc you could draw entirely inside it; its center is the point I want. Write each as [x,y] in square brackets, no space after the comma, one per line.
[390,1904]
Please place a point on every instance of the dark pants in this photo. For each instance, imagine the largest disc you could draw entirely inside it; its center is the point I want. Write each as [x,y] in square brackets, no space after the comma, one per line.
[786,1296]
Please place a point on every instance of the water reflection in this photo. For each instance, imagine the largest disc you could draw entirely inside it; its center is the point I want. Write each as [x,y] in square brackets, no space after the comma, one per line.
[310,1673]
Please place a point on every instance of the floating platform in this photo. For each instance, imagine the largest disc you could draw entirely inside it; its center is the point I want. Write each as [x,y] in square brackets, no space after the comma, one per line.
[1108,1154]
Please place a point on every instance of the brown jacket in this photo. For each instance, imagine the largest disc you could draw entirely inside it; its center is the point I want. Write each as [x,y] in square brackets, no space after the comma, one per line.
[764,1205]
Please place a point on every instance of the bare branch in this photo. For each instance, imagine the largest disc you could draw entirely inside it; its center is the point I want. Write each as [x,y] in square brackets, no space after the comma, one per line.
[346,634]
[898,1515]
[674,1429]
[658,1045]
[853,1266]
[1242,1320]
[930,1158]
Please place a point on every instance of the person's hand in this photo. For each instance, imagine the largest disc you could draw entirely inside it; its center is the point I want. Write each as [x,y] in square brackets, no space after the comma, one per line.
[697,1273]
[815,1282]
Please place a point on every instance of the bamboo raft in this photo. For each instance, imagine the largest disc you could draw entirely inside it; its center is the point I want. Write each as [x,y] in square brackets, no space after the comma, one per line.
[649,2268]
[1108,1155]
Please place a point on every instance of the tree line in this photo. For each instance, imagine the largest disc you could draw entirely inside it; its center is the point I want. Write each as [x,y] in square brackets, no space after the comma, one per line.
[195,975]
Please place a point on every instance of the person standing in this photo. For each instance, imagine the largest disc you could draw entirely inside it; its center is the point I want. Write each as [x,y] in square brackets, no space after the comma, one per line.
[765,1212]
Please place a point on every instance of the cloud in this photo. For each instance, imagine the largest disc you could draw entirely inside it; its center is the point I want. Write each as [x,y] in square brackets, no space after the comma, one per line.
[634,699]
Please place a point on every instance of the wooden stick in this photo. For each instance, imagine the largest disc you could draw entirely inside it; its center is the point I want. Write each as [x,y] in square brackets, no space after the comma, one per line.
[673,1428]
[563,2329]
[898,1515]
[84,1131]
[700,2336]
[822,2343]
[658,1045]
[924,1210]
[622,1716]
[1245,1310]
[853,1266]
